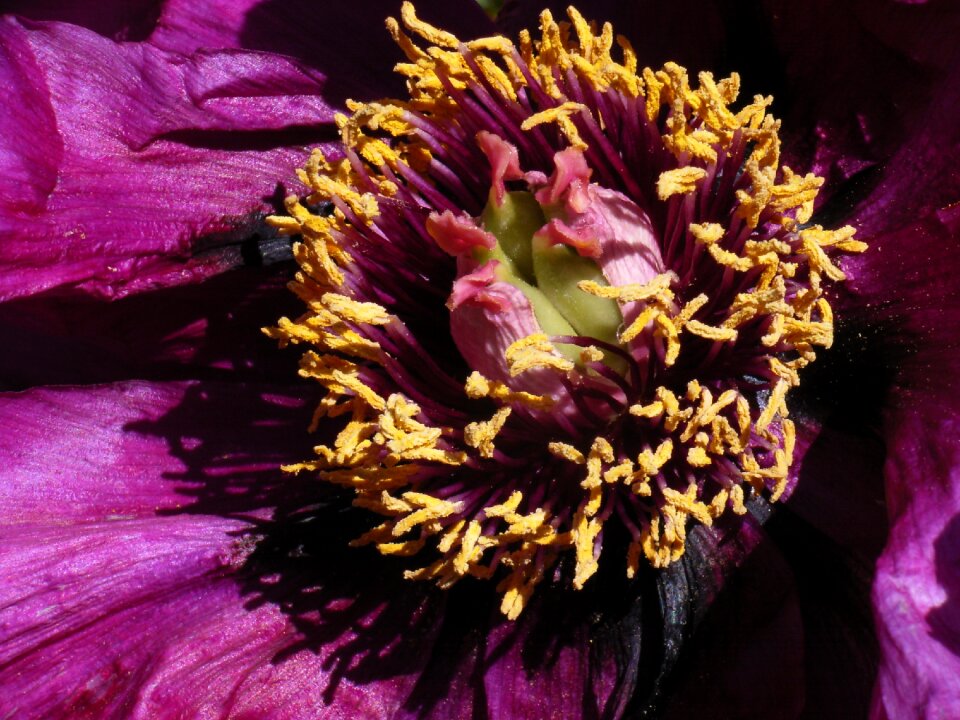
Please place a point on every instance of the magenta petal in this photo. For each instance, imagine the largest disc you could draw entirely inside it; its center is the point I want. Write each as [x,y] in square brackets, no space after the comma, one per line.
[907,284]
[558,688]
[131,167]
[88,609]
[133,449]
[917,588]
[68,450]
[113,604]
[146,619]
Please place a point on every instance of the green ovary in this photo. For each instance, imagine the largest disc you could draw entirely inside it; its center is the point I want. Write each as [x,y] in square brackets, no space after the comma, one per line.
[548,274]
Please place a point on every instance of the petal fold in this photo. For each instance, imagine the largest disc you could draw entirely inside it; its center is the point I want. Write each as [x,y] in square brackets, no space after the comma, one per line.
[134,168]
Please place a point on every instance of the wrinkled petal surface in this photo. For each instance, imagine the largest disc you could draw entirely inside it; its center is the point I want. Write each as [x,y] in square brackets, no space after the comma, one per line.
[130,167]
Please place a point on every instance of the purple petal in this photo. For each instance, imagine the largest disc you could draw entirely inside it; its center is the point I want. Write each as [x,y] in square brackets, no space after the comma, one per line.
[119,155]
[921,176]
[917,588]
[131,450]
[147,619]
[906,286]
[115,604]
[559,688]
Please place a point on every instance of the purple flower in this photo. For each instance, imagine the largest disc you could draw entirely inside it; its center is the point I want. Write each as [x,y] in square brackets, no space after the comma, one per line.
[156,562]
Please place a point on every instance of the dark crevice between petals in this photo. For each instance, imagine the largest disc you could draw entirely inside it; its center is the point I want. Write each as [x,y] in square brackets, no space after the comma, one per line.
[194,331]
[839,640]
[122,20]
[684,593]
[791,636]
[850,379]
[249,140]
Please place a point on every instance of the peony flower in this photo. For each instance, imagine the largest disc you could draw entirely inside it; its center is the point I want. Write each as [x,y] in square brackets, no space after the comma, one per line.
[473,321]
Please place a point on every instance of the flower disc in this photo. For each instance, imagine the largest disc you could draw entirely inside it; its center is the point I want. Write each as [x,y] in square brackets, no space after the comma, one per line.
[551,291]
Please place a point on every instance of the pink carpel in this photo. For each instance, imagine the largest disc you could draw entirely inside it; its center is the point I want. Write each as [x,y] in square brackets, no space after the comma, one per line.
[568,183]
[475,289]
[457,235]
[504,162]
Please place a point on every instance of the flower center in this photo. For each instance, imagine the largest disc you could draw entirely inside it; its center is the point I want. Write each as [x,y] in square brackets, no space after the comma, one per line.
[555,293]
[537,246]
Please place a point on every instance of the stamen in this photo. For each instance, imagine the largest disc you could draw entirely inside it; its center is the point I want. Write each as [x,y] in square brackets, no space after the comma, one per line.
[669,411]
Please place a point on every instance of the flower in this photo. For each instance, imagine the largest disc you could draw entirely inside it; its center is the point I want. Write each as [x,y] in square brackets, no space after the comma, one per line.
[155,503]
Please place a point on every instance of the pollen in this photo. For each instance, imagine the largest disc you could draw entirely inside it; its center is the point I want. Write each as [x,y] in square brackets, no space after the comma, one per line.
[512,462]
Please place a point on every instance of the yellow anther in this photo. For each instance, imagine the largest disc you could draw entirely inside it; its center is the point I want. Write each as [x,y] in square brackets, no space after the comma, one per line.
[585,532]
[653,410]
[339,376]
[560,115]
[697,456]
[681,181]
[650,462]
[717,334]
[567,452]
[478,387]
[666,329]
[619,472]
[707,233]
[480,435]
[353,311]
[470,548]
[591,354]
[658,287]
[775,406]
[796,192]
[688,503]
[600,452]
[535,352]
[428,32]
[736,500]
[506,508]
